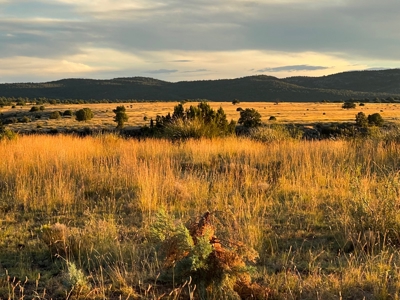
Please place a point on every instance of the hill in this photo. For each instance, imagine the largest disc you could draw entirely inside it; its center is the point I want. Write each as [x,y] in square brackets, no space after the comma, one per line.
[342,86]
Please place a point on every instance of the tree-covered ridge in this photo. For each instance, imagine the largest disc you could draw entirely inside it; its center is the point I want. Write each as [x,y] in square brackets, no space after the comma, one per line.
[358,85]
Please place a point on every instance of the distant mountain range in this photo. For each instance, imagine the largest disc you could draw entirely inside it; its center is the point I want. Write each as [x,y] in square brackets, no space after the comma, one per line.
[380,84]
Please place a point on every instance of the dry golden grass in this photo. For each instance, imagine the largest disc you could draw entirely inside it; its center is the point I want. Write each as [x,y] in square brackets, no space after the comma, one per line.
[306,207]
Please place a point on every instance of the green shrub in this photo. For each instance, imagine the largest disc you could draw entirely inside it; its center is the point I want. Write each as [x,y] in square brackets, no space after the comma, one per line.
[361,120]
[250,118]
[348,105]
[194,122]
[6,134]
[68,112]
[34,109]
[25,119]
[375,120]
[55,115]
[120,116]
[84,114]
[272,118]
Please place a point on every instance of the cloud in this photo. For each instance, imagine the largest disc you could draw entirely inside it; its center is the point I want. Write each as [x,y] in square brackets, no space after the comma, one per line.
[182,60]
[161,71]
[293,68]
[188,35]
[196,71]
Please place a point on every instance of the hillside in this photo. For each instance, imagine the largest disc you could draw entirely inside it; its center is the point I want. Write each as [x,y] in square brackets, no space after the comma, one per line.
[342,86]
[387,81]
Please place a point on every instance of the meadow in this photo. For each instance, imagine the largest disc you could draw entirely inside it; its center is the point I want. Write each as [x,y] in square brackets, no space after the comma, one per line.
[141,113]
[107,217]
[76,215]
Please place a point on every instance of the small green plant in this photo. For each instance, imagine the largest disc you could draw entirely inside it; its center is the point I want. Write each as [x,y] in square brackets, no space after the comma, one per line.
[6,134]
[34,109]
[193,251]
[25,119]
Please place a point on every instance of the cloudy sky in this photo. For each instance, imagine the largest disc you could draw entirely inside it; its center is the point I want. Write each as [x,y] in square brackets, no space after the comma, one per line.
[174,40]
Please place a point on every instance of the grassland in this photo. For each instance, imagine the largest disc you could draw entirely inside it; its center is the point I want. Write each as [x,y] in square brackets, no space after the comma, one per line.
[323,215]
[302,113]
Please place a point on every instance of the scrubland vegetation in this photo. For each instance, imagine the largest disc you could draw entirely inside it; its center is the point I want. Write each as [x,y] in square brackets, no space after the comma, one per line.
[78,216]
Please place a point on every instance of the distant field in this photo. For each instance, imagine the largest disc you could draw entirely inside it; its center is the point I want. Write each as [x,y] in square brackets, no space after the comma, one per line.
[305,113]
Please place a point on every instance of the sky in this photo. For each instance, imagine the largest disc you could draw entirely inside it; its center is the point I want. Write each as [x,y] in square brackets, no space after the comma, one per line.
[180,40]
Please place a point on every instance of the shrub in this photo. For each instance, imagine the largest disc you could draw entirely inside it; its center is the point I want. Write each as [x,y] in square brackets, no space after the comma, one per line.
[120,116]
[348,105]
[200,121]
[41,107]
[55,115]
[68,112]
[239,109]
[25,119]
[6,134]
[235,101]
[84,114]
[34,109]
[250,118]
[375,120]
[361,120]
[272,118]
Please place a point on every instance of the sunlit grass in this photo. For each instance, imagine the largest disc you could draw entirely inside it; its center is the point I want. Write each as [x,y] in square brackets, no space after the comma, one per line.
[302,205]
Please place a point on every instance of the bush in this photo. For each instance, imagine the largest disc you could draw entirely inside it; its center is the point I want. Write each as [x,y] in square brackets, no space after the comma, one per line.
[120,116]
[41,107]
[68,112]
[25,119]
[375,120]
[55,115]
[250,118]
[200,121]
[84,114]
[34,109]
[6,134]
[235,101]
[272,118]
[361,120]
[348,105]
[239,109]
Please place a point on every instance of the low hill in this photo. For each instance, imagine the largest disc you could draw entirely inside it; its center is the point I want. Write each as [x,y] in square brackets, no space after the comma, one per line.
[342,86]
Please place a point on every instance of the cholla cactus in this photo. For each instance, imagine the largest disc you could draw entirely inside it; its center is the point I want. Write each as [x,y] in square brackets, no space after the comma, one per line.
[194,251]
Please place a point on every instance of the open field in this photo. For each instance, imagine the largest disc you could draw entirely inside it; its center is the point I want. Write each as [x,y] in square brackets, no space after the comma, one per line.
[75,214]
[305,113]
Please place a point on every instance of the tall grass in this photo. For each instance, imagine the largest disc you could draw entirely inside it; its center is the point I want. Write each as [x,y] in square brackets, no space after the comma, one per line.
[323,215]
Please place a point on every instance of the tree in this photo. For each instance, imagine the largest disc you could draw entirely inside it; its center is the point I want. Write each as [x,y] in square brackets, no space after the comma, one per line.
[235,101]
[375,120]
[120,116]
[250,118]
[361,119]
[84,114]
